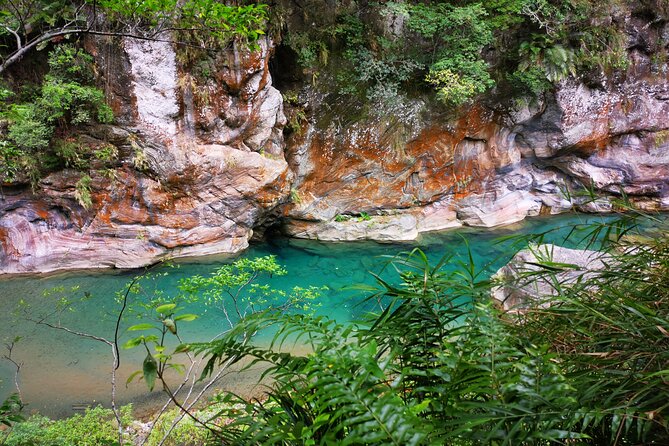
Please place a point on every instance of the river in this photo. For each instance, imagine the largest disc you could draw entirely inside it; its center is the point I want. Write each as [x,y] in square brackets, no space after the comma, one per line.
[61,371]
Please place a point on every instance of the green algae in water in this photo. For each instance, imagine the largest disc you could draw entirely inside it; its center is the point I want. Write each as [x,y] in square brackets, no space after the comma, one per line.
[61,370]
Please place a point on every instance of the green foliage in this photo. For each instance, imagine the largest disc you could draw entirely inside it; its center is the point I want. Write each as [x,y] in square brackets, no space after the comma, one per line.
[10,158]
[364,216]
[64,99]
[237,289]
[505,14]
[532,79]
[106,153]
[612,328]
[11,410]
[70,63]
[309,51]
[438,364]
[603,48]
[536,43]
[83,191]
[30,432]
[29,133]
[295,196]
[456,35]
[68,103]
[553,49]
[96,427]
[186,432]
[439,36]
[456,89]
[63,102]
[212,21]
[71,153]
[165,316]
[556,61]
[234,284]
[28,25]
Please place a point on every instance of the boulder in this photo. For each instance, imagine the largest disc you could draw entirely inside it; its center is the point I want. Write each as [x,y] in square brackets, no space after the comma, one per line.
[525,281]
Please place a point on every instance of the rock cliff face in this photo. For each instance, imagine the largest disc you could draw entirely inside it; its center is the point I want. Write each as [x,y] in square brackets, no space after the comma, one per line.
[203,162]
[486,168]
[194,178]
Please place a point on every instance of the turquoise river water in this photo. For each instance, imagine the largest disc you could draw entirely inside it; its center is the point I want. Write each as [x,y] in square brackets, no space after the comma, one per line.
[61,371]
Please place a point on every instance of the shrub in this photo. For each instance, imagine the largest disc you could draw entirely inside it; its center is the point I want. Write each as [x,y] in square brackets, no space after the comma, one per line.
[10,158]
[186,432]
[30,134]
[531,79]
[83,191]
[71,103]
[96,427]
[71,64]
[71,153]
[30,432]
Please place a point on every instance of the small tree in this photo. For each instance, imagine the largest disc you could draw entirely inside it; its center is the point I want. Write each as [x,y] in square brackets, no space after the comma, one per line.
[31,24]
[233,289]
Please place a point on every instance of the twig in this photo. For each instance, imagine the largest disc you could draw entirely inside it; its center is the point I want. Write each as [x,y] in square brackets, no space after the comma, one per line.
[17,365]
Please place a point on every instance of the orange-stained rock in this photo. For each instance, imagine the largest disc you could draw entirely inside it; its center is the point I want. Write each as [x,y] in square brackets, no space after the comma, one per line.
[196,177]
[202,162]
[371,167]
[488,168]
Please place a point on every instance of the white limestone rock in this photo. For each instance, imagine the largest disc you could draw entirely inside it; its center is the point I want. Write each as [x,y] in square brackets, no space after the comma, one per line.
[521,283]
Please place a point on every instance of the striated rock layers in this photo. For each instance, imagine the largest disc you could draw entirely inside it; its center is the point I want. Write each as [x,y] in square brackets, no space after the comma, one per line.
[487,168]
[203,161]
[195,174]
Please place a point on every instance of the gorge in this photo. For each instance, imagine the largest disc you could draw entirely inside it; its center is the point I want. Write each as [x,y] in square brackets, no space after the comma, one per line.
[205,163]
[407,222]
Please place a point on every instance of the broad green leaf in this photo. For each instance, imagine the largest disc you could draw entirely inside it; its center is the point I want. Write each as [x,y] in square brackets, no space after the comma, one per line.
[166,308]
[150,371]
[140,327]
[134,342]
[182,348]
[186,317]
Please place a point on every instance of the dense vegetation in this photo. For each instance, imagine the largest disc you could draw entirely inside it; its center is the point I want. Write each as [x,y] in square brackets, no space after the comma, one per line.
[438,363]
[44,114]
[42,123]
[376,52]
[464,48]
